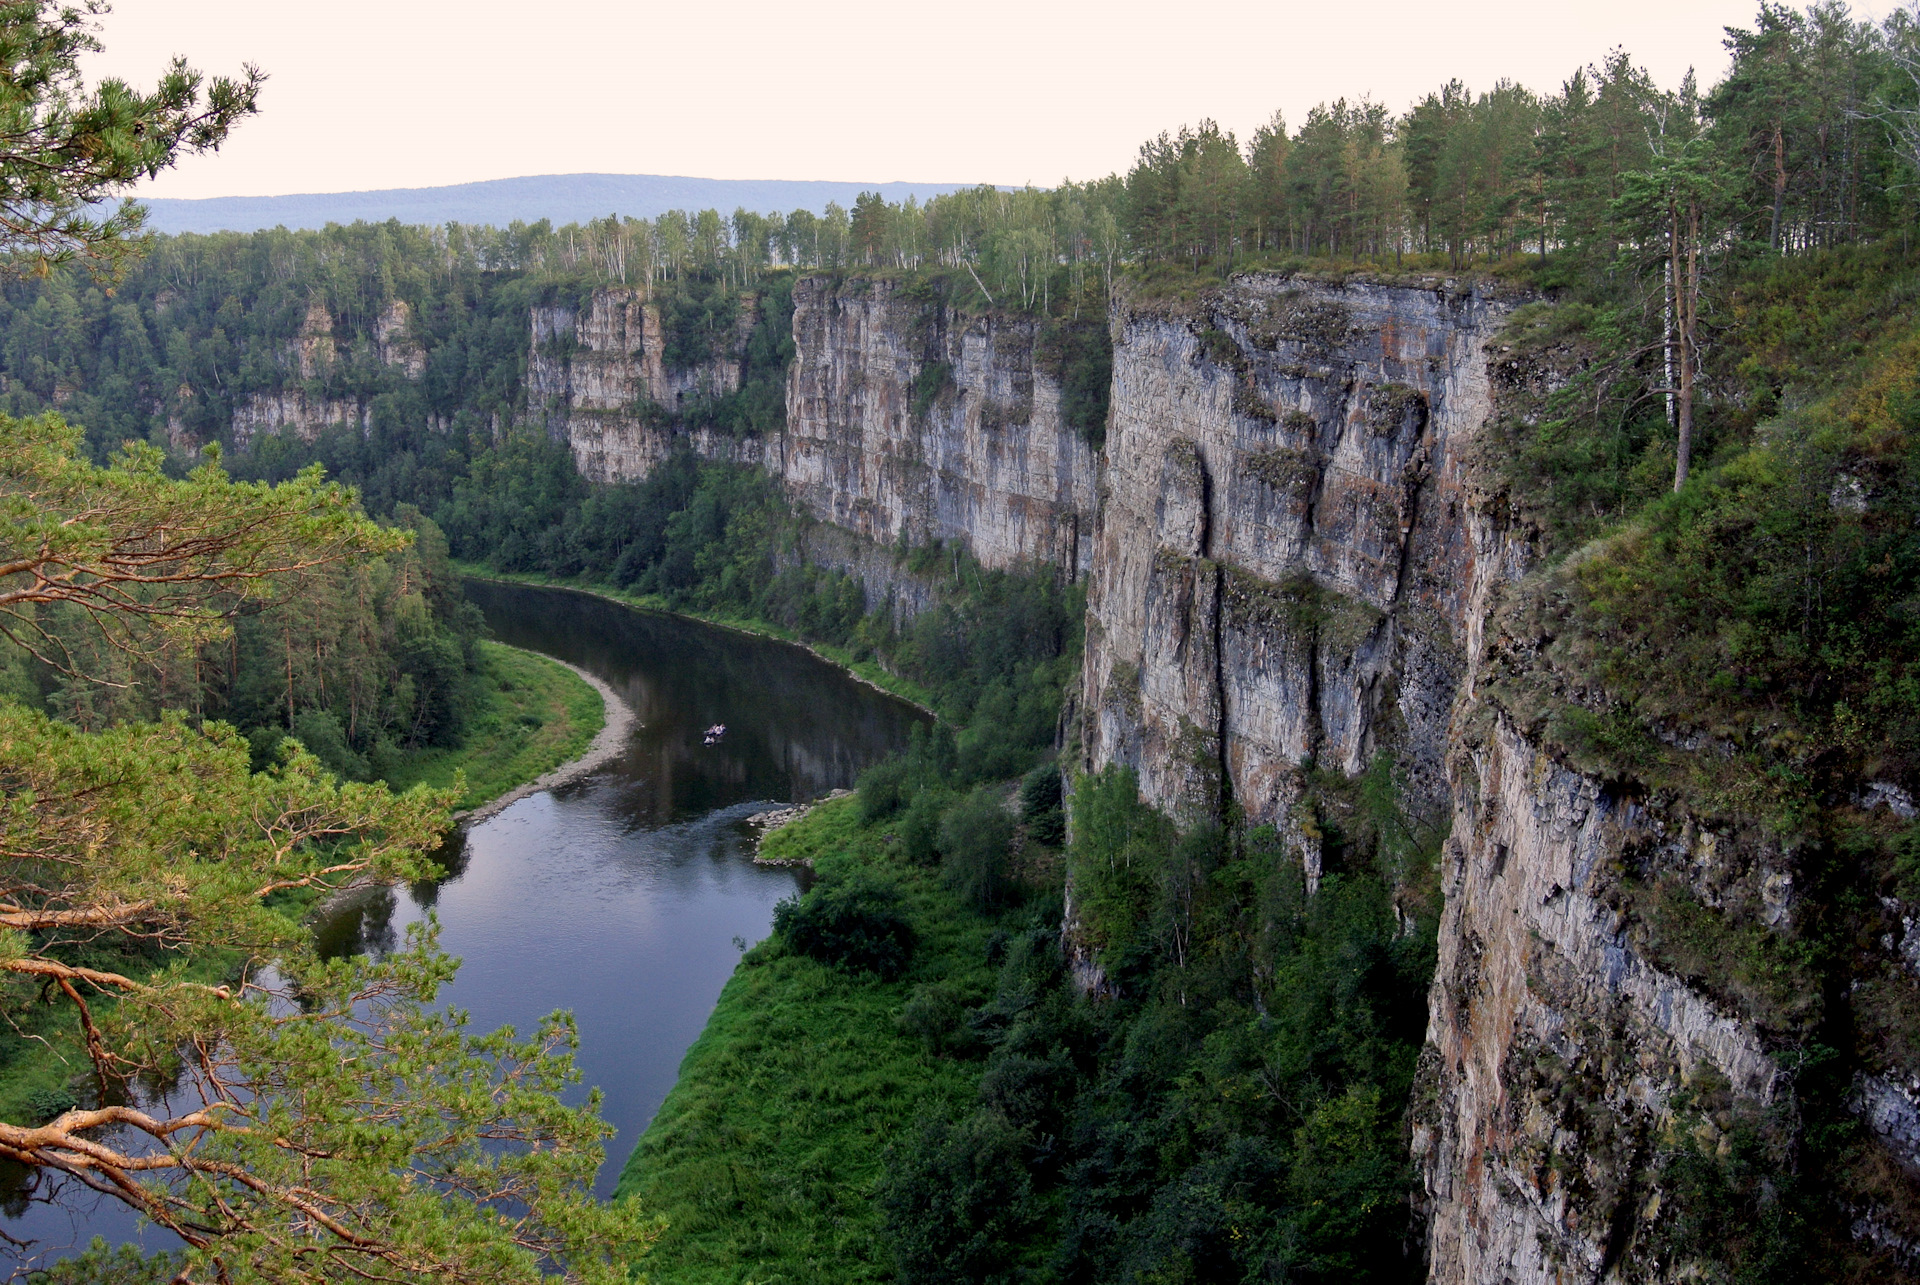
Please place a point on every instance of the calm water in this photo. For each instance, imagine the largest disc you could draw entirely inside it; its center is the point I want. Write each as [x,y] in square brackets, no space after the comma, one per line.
[624,897]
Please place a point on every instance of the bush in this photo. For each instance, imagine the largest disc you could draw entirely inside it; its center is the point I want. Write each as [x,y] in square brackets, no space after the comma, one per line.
[883,790]
[855,923]
[918,829]
[958,1201]
[935,1016]
[320,731]
[48,1104]
[974,836]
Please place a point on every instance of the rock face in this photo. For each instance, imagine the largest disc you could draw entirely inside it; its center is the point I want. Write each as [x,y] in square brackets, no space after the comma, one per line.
[1281,565]
[394,341]
[599,380]
[908,422]
[1295,558]
[304,408]
[1555,1045]
[904,421]
[293,409]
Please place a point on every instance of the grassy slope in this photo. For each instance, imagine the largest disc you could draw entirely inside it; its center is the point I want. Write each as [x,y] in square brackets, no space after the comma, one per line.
[764,1156]
[535,715]
[869,671]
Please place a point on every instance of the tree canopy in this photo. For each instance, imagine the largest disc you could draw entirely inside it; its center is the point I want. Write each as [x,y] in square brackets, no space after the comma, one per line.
[66,146]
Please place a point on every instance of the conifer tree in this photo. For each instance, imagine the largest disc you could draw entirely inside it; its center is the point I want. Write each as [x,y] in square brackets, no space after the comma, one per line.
[328,1122]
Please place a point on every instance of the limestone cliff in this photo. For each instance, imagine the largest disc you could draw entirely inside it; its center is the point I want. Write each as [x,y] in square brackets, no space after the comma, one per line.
[304,405]
[598,378]
[906,421]
[1297,559]
[1281,564]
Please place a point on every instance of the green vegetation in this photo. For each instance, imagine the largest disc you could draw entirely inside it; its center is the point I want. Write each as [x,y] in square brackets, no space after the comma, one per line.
[532,715]
[764,1156]
[370,664]
[152,893]
[1229,1112]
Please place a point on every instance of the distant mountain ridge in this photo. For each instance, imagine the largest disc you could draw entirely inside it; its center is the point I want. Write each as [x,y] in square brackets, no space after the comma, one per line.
[563,198]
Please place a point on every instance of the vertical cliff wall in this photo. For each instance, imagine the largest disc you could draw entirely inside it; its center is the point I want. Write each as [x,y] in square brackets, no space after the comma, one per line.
[598,378]
[907,421]
[1281,562]
[306,404]
[1299,557]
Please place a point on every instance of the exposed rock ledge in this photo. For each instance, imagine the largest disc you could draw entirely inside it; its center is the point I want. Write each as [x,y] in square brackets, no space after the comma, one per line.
[606,747]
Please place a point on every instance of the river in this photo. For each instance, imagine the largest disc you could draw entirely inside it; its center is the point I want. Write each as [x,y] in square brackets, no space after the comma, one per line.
[627,896]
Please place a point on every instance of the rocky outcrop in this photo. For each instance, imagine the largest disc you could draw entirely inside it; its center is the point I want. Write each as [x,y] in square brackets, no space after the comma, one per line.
[394,341]
[1297,561]
[293,410]
[908,422]
[1556,1045]
[599,379]
[1281,564]
[905,422]
[303,408]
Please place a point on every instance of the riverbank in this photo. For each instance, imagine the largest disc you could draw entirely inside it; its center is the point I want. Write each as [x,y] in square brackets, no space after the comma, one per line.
[869,672]
[765,1156]
[608,744]
[768,824]
[537,717]
[541,723]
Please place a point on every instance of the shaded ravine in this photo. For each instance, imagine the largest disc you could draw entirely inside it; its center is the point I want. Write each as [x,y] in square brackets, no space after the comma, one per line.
[625,896]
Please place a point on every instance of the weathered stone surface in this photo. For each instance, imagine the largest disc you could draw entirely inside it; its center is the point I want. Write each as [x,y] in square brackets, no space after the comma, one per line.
[292,410]
[1539,983]
[1306,440]
[908,422]
[599,381]
[394,341]
[904,423]
[311,357]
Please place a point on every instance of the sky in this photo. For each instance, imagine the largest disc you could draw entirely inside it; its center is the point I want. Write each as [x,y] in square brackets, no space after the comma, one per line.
[368,94]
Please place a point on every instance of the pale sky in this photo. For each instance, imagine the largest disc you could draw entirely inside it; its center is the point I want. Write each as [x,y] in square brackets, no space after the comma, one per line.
[415,93]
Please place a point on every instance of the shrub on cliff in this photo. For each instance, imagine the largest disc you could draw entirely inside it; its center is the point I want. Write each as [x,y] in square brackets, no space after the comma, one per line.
[883,790]
[1041,809]
[958,1201]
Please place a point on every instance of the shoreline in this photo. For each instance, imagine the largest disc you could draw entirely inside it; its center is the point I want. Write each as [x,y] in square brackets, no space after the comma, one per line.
[771,822]
[608,744]
[729,625]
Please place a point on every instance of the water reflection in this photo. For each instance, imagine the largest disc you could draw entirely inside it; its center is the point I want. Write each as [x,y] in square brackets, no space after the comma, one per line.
[619,897]
[796,726]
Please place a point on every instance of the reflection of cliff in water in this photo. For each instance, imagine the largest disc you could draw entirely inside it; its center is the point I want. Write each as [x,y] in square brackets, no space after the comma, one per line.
[795,727]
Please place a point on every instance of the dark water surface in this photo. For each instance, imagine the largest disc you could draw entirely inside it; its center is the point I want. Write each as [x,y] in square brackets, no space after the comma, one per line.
[625,896]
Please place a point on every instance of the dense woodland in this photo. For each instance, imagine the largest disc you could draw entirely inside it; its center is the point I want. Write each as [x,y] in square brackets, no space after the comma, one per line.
[1723,283]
